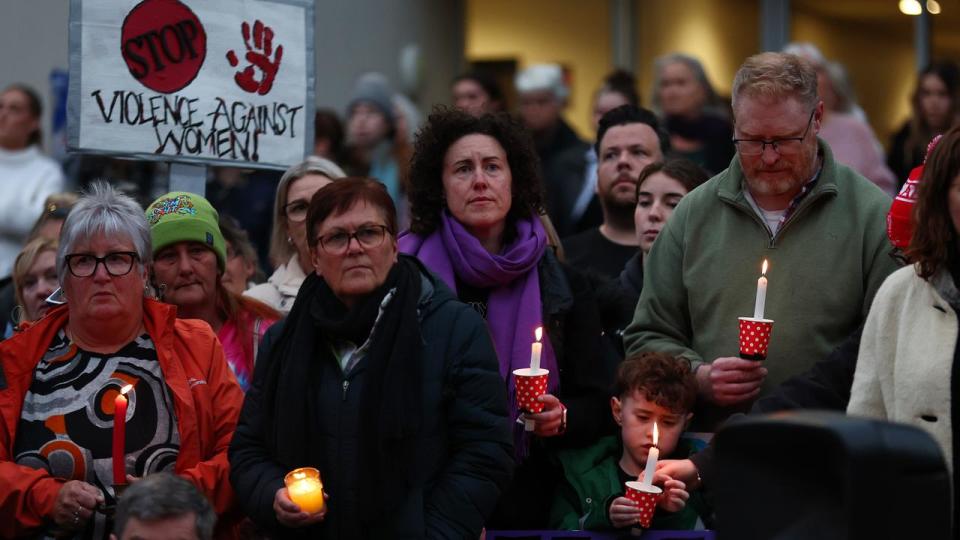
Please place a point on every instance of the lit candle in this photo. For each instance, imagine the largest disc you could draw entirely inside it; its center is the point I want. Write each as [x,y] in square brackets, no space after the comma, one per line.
[651,459]
[305,489]
[761,293]
[119,436]
[535,350]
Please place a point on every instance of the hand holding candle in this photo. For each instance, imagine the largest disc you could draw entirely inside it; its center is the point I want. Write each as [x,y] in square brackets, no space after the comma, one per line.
[652,458]
[305,489]
[760,304]
[119,436]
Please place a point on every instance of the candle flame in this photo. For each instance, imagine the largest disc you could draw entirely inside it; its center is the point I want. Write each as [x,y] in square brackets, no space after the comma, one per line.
[656,434]
[126,389]
[538,333]
[763,269]
[299,475]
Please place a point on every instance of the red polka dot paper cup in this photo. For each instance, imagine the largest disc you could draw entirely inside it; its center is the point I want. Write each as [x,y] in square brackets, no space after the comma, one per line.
[754,337]
[646,496]
[530,385]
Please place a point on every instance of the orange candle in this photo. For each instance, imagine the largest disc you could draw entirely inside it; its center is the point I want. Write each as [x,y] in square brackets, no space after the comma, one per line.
[305,489]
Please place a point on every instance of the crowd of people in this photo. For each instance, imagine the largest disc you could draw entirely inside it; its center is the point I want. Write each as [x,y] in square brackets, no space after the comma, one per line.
[415,270]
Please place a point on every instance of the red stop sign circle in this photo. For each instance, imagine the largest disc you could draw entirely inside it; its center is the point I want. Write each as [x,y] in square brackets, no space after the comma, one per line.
[163,44]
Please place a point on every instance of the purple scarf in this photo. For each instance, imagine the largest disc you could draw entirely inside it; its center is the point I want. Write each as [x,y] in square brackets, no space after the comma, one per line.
[514,310]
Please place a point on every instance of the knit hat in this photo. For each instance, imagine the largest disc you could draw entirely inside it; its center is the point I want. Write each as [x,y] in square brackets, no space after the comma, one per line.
[900,220]
[373,89]
[186,217]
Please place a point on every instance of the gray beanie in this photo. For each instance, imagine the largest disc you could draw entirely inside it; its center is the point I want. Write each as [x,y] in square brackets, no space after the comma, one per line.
[373,89]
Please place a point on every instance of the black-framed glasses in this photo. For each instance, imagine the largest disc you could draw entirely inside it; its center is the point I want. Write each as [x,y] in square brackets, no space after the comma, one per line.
[784,146]
[117,263]
[296,211]
[369,236]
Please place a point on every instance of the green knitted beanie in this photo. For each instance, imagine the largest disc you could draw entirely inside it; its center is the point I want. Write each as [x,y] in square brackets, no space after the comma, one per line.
[186,217]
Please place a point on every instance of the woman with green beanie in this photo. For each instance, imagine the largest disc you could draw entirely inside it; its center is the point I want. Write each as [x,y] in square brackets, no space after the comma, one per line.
[189,257]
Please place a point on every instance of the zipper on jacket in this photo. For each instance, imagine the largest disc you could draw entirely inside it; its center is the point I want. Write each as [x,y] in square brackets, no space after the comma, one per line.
[772,243]
[346,384]
[808,202]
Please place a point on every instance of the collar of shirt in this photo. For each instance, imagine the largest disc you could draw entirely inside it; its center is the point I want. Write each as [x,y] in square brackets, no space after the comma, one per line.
[791,208]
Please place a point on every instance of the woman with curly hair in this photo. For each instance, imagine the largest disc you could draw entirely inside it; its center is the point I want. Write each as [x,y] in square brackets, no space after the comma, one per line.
[476,197]
[908,368]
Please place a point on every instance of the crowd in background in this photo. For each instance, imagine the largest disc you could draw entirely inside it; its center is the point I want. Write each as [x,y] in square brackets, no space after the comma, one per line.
[370,311]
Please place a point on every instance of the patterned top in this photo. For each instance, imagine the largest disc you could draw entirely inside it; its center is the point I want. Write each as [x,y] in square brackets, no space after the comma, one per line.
[66,424]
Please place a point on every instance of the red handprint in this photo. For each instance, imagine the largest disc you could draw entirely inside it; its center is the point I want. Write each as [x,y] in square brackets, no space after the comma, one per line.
[262,41]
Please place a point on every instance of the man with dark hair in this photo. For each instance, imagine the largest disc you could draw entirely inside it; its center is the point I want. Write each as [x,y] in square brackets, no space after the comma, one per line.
[163,506]
[628,139]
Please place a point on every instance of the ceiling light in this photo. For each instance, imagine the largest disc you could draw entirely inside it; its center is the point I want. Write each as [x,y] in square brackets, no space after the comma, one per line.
[933,7]
[910,7]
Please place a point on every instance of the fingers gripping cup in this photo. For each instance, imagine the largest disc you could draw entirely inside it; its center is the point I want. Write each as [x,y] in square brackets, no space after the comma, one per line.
[305,489]
[530,384]
[754,337]
[646,496]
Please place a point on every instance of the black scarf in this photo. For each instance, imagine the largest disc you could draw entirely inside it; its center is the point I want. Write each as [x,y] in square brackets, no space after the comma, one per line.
[392,388]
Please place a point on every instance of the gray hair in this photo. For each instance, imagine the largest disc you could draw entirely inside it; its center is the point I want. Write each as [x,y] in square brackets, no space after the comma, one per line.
[777,75]
[807,50]
[107,211]
[542,77]
[711,102]
[164,496]
[280,249]
[846,98]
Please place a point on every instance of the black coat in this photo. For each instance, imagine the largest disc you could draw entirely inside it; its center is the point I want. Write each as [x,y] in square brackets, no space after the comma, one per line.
[464,449]
[586,362]
[563,161]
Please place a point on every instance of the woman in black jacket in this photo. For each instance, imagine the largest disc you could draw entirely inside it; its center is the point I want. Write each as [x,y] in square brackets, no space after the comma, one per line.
[476,196]
[383,381]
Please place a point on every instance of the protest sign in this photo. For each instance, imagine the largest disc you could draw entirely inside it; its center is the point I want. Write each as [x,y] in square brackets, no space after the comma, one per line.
[211,82]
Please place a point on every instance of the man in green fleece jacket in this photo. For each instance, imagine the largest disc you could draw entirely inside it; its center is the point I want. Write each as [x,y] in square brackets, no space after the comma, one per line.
[785,199]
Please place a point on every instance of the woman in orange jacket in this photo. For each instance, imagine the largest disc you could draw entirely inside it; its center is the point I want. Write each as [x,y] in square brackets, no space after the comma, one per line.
[62,376]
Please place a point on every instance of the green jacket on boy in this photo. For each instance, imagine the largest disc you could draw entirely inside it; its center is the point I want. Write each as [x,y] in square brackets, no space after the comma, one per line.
[592,481]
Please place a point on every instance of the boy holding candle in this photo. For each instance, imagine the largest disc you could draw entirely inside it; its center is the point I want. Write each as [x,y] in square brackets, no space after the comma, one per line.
[652,388]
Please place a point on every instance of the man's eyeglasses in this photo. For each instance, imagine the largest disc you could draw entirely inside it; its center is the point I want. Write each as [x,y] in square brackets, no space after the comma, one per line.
[337,243]
[296,211]
[784,146]
[117,263]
